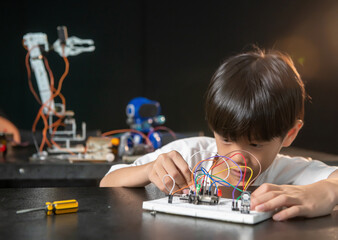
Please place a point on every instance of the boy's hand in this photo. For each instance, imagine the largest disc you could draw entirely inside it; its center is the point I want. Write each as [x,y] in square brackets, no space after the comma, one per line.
[308,201]
[171,163]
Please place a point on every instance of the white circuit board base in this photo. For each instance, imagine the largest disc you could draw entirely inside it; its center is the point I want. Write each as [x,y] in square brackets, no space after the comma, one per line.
[221,211]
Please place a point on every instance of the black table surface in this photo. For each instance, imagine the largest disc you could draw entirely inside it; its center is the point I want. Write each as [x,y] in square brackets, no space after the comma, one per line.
[116,213]
[17,170]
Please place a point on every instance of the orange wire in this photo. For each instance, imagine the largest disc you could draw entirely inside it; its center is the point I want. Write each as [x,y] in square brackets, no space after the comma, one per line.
[165,129]
[57,92]
[23,44]
[57,123]
[185,187]
[192,173]
[29,75]
[52,97]
[44,132]
[127,130]
[51,76]
[41,114]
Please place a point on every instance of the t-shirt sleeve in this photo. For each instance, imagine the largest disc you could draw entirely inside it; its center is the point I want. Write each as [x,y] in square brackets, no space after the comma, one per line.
[186,147]
[140,161]
[296,171]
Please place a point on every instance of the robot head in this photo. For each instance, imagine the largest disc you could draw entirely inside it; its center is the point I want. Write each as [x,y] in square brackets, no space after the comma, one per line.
[143,108]
[143,114]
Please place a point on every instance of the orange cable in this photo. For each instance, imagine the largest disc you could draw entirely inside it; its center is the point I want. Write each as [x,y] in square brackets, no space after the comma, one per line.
[53,96]
[29,75]
[128,130]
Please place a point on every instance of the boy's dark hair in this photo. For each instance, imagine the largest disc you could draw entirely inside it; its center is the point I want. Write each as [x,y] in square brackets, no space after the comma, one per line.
[256,95]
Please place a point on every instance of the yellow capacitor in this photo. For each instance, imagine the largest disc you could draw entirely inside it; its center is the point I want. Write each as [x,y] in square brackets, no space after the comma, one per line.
[115,141]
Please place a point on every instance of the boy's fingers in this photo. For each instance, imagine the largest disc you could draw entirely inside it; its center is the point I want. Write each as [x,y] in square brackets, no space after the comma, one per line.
[266,187]
[172,170]
[265,197]
[277,202]
[160,171]
[290,212]
[182,165]
[166,185]
[156,180]
[163,183]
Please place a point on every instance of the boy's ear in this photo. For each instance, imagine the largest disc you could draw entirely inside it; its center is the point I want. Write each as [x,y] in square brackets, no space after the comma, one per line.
[292,133]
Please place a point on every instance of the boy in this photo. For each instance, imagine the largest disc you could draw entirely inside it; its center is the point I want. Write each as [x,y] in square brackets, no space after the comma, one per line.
[255,103]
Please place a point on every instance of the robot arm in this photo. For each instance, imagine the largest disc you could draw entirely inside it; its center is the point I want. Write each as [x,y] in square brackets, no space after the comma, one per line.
[74,46]
[37,44]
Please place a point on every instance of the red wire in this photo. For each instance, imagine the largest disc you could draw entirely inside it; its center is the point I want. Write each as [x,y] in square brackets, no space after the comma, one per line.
[244,168]
[165,129]
[128,130]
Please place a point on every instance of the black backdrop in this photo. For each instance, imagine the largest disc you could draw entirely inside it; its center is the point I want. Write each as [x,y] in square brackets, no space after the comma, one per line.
[167,51]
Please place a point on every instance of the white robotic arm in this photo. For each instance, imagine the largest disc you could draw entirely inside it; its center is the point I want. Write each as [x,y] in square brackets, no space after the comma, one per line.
[37,43]
[74,46]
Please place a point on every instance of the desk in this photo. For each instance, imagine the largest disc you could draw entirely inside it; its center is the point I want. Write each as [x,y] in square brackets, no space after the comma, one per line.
[18,171]
[116,213]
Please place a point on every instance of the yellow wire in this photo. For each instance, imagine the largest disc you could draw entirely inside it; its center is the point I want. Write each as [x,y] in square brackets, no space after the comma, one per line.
[236,167]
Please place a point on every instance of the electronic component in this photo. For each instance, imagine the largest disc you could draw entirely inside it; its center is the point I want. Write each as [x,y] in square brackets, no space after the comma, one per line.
[220,212]
[205,187]
[234,206]
[5,138]
[170,198]
[245,202]
[204,196]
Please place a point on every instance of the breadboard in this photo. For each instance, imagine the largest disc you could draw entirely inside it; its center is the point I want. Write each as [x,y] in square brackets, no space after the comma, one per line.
[221,212]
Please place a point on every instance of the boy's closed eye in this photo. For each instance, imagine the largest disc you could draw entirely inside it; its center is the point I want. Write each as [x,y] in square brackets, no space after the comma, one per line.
[252,144]
[256,145]
[226,141]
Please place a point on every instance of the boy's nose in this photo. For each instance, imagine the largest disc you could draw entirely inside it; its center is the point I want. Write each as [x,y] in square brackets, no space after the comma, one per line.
[239,156]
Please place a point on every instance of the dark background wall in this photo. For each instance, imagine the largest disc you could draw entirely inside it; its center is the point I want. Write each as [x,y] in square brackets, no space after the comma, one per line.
[167,51]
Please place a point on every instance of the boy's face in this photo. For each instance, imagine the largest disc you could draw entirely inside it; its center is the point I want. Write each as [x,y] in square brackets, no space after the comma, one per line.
[265,152]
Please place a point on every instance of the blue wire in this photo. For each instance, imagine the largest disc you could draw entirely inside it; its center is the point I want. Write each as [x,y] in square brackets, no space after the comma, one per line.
[208,175]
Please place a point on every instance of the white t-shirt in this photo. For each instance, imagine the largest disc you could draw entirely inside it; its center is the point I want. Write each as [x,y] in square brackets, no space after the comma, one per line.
[283,170]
